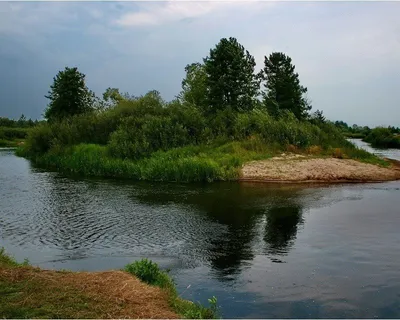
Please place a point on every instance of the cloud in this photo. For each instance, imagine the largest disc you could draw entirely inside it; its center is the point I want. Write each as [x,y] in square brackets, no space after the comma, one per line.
[152,14]
[347,54]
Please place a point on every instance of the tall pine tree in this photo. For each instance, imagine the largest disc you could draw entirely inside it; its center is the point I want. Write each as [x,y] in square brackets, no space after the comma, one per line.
[230,77]
[68,95]
[282,87]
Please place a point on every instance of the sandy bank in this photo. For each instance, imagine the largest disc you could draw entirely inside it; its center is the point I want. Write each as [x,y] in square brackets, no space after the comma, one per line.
[297,168]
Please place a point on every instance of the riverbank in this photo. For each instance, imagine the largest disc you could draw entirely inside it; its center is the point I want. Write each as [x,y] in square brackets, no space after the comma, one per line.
[12,137]
[301,168]
[11,143]
[29,292]
[212,162]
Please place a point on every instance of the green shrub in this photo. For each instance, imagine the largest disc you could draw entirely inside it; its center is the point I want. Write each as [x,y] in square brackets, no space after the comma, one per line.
[149,272]
[383,138]
[7,133]
[39,139]
[8,261]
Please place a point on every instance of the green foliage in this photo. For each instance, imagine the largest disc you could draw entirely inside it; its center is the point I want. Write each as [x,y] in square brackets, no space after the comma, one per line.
[22,122]
[383,138]
[216,124]
[12,136]
[190,310]
[149,272]
[230,77]
[283,89]
[112,95]
[9,133]
[194,86]
[355,131]
[7,261]
[68,95]
[39,140]
[148,139]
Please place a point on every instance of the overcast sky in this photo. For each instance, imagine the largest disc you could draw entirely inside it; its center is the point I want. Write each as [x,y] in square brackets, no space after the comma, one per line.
[346,53]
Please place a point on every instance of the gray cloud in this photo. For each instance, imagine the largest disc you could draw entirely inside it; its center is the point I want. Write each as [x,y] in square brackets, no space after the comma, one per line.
[347,54]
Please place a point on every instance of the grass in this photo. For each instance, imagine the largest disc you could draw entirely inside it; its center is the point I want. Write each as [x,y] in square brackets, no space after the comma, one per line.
[28,292]
[150,273]
[10,143]
[357,135]
[356,154]
[190,163]
[217,161]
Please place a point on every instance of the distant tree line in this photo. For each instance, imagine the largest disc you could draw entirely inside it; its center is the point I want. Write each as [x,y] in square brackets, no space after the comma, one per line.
[22,122]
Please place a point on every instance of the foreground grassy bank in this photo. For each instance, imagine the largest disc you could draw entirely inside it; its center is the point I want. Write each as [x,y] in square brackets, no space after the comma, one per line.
[29,292]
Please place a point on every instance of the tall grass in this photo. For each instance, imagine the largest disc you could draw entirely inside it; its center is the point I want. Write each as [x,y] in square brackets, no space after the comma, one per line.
[8,133]
[190,163]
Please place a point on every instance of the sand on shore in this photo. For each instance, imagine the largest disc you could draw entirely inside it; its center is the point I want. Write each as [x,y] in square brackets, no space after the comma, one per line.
[299,168]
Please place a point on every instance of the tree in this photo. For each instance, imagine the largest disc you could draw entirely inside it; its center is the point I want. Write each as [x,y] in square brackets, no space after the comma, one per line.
[318,117]
[230,80]
[22,121]
[194,86]
[283,89]
[112,95]
[68,95]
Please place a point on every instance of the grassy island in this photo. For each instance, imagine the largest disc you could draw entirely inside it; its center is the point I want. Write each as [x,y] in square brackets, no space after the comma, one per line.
[226,115]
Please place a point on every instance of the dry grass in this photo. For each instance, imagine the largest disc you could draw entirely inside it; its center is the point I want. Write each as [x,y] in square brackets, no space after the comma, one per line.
[314,150]
[292,148]
[338,153]
[29,292]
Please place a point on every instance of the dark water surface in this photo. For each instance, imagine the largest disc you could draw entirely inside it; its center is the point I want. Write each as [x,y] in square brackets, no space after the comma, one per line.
[263,250]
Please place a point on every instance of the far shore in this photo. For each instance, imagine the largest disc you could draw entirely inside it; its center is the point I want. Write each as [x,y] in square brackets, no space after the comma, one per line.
[303,169]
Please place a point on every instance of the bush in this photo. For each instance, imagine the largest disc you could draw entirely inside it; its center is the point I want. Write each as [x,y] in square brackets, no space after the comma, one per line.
[383,138]
[149,272]
[147,139]
[7,133]
[39,140]
[314,150]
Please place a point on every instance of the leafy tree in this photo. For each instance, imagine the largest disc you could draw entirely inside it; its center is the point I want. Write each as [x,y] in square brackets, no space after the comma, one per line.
[194,86]
[283,89]
[230,80]
[112,95]
[68,95]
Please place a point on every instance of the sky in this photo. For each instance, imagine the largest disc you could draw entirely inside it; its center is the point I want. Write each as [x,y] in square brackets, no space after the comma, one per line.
[346,53]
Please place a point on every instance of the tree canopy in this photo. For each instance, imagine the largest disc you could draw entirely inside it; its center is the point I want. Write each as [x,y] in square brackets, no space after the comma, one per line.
[230,80]
[68,95]
[194,86]
[282,87]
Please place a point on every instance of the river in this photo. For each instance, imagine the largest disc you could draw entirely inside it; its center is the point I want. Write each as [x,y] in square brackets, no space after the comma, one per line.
[263,250]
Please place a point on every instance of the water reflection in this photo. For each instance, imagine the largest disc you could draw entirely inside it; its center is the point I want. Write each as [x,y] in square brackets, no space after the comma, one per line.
[239,209]
[281,228]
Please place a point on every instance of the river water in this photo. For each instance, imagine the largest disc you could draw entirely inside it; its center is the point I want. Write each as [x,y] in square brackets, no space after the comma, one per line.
[263,250]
